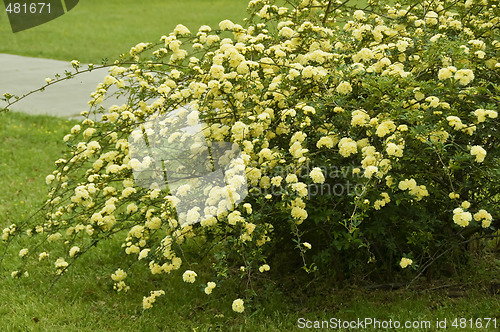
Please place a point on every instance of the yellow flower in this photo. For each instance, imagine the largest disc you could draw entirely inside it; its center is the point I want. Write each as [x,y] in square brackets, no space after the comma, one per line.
[49,179]
[143,254]
[479,152]
[464,76]
[264,268]
[238,305]
[418,94]
[402,45]
[128,191]
[226,25]
[300,188]
[54,237]
[23,252]
[181,30]
[455,122]
[444,74]
[298,137]
[210,286]
[276,180]
[385,128]
[155,222]
[119,275]
[248,207]
[286,32]
[433,101]
[61,263]
[307,245]
[369,171]
[147,302]
[405,262]
[344,88]
[73,251]
[317,175]
[189,276]
[359,15]
[485,218]
[76,129]
[394,150]
[359,118]
[325,141]
[461,218]
[291,178]
[347,146]
[42,256]
[480,54]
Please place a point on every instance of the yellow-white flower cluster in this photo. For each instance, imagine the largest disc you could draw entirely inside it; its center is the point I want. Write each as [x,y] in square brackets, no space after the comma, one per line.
[147,301]
[405,262]
[238,305]
[210,287]
[189,276]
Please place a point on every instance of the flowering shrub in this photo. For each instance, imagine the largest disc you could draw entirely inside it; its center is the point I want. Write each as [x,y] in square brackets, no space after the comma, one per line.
[369,140]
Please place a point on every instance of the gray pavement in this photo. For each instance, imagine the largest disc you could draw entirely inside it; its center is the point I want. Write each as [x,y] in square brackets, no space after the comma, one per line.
[19,75]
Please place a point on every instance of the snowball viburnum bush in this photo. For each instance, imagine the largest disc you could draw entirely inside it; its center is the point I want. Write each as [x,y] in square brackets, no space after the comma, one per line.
[353,127]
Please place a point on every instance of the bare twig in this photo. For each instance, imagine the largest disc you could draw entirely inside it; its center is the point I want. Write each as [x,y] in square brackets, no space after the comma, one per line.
[433,259]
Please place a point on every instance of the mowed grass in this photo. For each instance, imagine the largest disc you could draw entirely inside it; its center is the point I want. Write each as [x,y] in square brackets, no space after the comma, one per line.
[97,29]
[83,299]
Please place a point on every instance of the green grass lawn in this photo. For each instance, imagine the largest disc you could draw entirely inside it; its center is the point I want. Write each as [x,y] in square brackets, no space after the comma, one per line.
[83,299]
[97,29]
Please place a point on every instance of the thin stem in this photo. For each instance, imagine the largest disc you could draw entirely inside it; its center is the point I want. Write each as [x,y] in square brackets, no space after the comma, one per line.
[327,12]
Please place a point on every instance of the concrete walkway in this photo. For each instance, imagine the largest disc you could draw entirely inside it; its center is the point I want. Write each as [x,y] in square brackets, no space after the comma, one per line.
[19,75]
